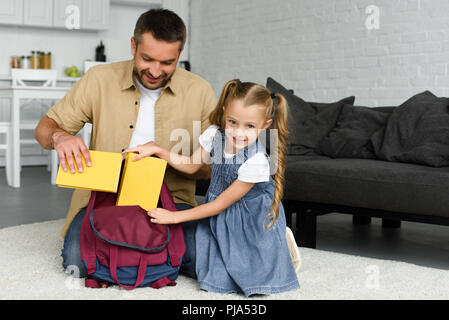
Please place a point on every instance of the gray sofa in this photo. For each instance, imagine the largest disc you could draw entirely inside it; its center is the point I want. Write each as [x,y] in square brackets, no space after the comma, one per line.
[364,188]
[385,162]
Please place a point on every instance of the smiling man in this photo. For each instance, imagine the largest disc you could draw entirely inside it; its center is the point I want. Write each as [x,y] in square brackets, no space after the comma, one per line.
[130,103]
[157,52]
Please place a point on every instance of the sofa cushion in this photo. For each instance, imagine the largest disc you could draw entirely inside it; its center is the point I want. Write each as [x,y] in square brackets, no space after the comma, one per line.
[351,136]
[308,122]
[416,132]
[310,132]
[367,183]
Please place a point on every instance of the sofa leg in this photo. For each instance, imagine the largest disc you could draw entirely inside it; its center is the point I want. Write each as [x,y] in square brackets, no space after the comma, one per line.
[358,219]
[391,224]
[306,228]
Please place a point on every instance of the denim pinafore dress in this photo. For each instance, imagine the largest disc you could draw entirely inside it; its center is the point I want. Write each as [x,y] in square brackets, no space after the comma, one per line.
[234,253]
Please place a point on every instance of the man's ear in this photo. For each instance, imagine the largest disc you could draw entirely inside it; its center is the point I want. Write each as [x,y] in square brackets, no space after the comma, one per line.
[180,50]
[133,46]
[179,55]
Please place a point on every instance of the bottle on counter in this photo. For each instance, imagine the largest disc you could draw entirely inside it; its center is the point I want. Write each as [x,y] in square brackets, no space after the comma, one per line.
[15,62]
[46,60]
[35,61]
[25,62]
[40,54]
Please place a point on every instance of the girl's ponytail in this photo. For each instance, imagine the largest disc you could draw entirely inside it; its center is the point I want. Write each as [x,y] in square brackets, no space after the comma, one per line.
[216,116]
[280,124]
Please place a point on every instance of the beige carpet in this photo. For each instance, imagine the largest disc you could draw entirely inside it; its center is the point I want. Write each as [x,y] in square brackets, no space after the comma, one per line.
[30,268]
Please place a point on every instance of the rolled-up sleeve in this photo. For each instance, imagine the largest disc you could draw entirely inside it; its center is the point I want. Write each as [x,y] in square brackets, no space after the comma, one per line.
[75,109]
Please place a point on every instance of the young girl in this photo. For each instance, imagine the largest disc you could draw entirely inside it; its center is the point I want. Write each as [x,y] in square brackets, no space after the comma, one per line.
[240,241]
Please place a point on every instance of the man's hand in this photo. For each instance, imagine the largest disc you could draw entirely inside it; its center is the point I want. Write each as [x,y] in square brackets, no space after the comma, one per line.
[72,148]
[51,136]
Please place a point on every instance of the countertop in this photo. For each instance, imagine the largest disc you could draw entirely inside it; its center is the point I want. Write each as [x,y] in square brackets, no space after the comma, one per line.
[7,77]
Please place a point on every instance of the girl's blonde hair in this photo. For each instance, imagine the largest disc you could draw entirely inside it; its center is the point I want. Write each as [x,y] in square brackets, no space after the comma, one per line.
[250,94]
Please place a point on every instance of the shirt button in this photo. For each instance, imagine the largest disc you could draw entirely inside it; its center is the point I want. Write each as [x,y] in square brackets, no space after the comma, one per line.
[123,150]
[137,103]
[131,126]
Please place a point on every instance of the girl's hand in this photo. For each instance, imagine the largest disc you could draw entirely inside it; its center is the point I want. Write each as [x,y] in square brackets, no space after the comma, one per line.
[163,216]
[144,150]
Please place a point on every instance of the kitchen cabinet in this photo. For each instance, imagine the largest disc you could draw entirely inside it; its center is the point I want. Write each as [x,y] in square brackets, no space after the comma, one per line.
[139,3]
[59,13]
[11,12]
[93,15]
[38,13]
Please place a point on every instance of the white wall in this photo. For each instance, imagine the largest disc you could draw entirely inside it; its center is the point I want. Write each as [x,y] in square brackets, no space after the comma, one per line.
[322,48]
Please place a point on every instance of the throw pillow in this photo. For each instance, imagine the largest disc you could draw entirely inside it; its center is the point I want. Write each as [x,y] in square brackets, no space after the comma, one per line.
[308,122]
[351,137]
[417,132]
[310,132]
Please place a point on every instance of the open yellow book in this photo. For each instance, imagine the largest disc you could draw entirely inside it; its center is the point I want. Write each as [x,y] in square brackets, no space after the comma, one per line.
[141,182]
[137,182]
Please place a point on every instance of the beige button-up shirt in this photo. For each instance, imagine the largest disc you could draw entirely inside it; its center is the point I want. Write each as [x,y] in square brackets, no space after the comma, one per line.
[108,98]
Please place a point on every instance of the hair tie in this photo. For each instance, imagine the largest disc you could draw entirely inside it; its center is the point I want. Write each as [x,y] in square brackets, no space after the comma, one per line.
[273,96]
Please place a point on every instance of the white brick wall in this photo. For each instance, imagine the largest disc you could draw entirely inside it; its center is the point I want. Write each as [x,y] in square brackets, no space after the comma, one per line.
[322,48]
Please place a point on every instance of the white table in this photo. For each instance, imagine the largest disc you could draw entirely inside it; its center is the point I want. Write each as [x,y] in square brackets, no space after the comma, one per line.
[17,94]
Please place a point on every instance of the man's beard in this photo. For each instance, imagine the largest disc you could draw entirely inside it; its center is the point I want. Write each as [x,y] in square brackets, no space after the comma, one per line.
[139,77]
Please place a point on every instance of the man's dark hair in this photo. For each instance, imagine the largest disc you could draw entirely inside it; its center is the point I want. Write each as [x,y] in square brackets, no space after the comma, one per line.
[165,25]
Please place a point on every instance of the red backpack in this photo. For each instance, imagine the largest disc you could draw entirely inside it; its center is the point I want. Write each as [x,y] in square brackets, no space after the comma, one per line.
[120,245]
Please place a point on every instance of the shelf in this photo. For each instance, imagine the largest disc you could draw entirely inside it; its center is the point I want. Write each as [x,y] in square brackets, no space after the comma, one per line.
[7,77]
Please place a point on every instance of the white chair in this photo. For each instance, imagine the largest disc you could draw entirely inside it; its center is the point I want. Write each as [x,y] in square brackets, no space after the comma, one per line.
[25,78]
[5,129]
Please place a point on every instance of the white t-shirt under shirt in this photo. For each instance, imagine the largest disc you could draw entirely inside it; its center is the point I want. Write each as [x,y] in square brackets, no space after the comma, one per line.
[144,128]
[255,169]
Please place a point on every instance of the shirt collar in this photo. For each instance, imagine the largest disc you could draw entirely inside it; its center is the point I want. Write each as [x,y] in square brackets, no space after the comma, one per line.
[127,81]
[174,83]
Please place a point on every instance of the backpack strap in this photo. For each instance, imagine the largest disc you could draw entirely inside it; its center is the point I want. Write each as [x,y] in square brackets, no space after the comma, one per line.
[113,257]
[166,198]
[165,281]
[176,247]
[90,255]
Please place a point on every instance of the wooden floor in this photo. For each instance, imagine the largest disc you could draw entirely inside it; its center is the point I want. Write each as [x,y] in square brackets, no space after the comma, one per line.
[425,245]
